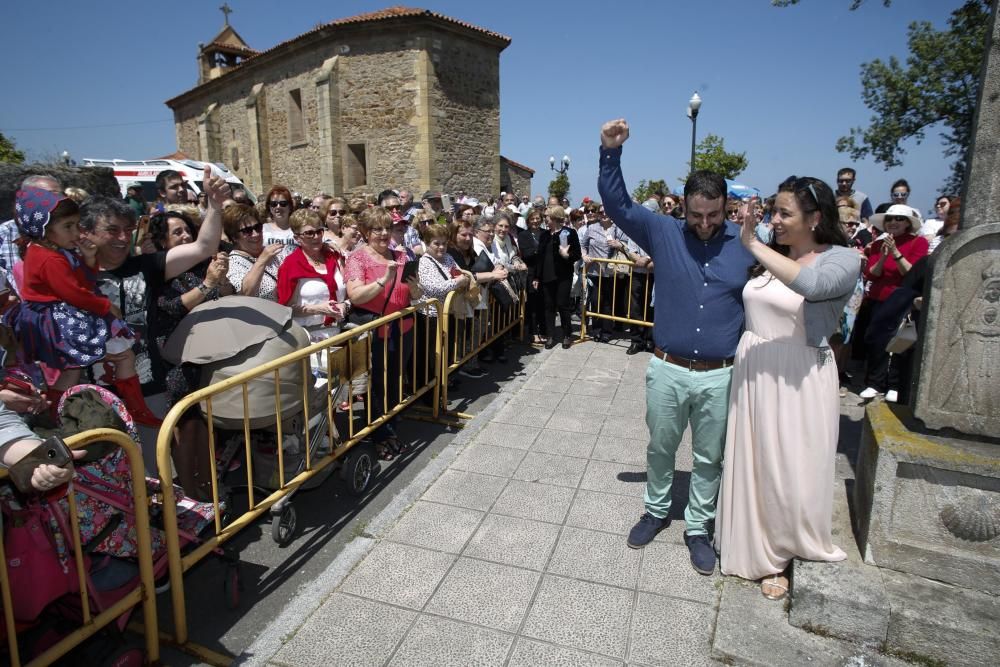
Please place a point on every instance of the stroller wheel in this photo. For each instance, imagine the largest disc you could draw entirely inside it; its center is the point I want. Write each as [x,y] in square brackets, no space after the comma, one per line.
[283,525]
[231,586]
[358,469]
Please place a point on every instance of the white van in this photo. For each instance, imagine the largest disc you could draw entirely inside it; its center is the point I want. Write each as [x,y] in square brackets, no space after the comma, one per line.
[145,171]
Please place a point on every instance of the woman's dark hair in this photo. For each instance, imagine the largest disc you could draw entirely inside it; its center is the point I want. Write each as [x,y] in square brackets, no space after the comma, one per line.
[811,194]
[159,225]
[901,183]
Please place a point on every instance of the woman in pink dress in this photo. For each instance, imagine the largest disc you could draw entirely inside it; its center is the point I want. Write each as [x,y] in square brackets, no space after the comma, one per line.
[776,499]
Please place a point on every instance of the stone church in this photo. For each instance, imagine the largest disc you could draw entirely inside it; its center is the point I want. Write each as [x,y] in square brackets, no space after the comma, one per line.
[399,97]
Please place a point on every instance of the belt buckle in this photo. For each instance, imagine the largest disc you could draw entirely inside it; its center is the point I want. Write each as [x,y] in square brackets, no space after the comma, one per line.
[691,363]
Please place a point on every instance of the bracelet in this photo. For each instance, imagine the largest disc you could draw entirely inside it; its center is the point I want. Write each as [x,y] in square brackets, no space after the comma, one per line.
[898,256]
[380,283]
[211,293]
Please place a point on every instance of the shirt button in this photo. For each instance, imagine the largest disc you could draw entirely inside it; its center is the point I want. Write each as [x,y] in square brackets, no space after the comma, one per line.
[697,328]
[705,285]
[701,306]
[706,263]
[696,351]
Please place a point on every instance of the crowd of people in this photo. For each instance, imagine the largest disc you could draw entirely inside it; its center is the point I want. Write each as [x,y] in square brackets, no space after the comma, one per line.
[768,299]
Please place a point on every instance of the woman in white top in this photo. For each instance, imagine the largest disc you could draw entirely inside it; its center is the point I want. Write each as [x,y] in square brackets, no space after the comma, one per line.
[277,228]
[311,281]
[253,267]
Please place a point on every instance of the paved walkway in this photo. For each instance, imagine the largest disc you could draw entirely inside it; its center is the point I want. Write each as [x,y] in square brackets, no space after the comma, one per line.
[509,549]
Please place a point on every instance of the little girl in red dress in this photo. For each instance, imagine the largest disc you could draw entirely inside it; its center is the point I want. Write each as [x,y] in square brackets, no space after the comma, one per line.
[62,321]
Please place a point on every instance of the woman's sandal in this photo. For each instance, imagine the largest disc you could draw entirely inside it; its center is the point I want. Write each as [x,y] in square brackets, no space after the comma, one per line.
[384,451]
[395,445]
[774,587]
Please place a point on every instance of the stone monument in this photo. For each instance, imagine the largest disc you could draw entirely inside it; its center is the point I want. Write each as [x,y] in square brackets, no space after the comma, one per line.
[926,498]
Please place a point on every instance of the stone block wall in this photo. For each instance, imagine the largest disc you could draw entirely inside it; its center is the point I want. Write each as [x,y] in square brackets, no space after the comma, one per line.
[424,103]
[514,179]
[465,100]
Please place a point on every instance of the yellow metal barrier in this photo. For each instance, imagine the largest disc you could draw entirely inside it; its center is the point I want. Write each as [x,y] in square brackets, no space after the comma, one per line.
[143,593]
[464,337]
[615,281]
[346,355]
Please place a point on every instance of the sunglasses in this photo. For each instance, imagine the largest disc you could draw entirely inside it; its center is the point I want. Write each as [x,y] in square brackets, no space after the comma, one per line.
[335,212]
[275,204]
[252,229]
[394,207]
[900,195]
[897,218]
[310,233]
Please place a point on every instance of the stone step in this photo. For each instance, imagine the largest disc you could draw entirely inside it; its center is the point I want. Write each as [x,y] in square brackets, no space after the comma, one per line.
[752,630]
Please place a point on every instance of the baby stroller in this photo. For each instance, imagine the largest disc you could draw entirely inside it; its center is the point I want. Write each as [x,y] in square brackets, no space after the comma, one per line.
[45,584]
[230,336]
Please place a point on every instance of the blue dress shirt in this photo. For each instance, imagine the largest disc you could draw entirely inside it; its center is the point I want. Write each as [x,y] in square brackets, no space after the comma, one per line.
[699,297]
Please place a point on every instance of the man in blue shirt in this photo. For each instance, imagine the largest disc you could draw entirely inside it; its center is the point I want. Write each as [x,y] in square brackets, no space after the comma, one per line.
[701,267]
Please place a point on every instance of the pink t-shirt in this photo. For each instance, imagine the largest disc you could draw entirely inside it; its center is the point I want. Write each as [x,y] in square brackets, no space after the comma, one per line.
[361,265]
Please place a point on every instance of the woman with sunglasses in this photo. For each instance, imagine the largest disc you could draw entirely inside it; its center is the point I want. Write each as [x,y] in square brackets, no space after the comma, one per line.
[900,192]
[888,259]
[776,498]
[375,285]
[276,225]
[332,212]
[311,280]
[253,267]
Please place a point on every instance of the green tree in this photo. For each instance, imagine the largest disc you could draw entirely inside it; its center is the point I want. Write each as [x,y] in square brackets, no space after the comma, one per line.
[646,188]
[9,152]
[559,186]
[939,84]
[711,154]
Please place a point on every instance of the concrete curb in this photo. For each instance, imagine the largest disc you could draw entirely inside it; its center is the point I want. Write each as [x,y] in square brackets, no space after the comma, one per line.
[309,597]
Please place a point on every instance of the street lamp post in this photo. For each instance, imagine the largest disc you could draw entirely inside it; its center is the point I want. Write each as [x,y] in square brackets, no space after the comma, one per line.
[563,164]
[694,104]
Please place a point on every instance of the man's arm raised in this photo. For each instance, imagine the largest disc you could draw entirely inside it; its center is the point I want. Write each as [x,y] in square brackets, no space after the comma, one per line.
[633,219]
[183,257]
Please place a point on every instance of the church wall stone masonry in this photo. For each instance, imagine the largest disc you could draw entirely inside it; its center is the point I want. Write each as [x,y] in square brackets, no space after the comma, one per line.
[400,97]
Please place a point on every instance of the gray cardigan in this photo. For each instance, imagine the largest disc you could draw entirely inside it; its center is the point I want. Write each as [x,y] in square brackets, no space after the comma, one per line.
[827,285]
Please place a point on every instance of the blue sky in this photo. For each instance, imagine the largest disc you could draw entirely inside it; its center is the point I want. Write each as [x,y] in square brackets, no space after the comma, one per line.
[780,84]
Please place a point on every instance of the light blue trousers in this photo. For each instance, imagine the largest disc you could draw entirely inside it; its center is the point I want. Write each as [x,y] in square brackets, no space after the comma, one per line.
[676,396]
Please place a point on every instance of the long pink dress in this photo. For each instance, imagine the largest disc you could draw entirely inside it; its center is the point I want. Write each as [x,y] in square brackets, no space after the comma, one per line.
[776,499]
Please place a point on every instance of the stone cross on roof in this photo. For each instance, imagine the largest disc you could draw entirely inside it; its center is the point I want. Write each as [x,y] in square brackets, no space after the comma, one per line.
[226,11]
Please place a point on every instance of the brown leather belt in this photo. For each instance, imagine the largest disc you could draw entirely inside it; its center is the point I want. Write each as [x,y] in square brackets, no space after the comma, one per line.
[693,364]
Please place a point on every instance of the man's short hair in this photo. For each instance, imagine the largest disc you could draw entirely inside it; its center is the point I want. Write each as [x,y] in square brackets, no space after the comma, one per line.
[847,170]
[161,178]
[708,184]
[99,207]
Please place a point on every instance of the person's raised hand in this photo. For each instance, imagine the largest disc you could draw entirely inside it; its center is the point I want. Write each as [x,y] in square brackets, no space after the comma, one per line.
[748,222]
[614,133]
[216,188]
[268,253]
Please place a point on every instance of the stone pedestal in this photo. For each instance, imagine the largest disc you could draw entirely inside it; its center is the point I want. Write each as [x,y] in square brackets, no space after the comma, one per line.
[928,505]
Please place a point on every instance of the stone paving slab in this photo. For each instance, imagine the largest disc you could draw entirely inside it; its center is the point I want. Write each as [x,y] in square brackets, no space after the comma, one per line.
[515,554]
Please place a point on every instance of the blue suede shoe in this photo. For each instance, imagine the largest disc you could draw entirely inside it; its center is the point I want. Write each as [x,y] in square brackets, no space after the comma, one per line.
[643,532]
[702,553]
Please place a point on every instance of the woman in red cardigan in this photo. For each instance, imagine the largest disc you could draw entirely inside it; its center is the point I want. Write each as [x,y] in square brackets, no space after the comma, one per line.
[888,259]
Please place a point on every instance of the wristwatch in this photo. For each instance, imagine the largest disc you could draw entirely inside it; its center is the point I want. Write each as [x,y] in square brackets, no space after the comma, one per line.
[211,293]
